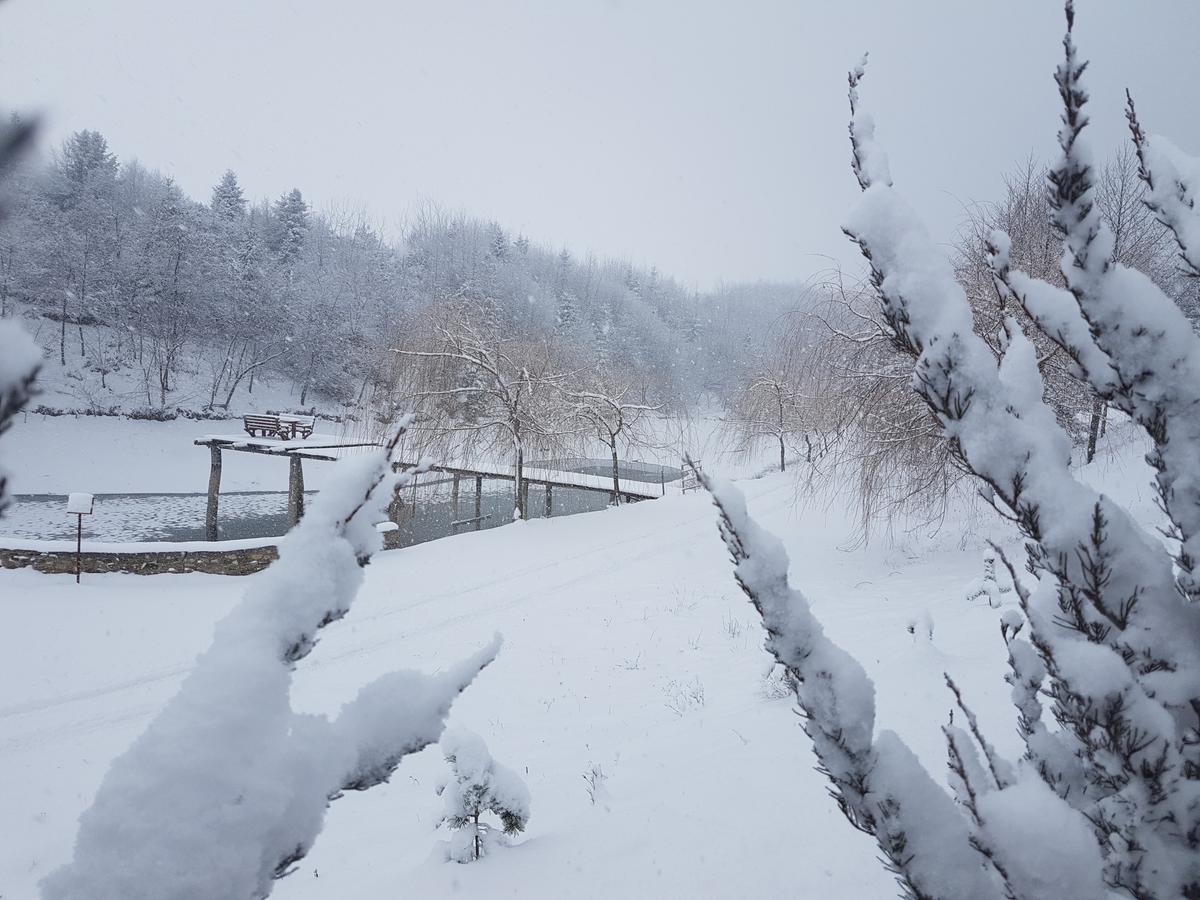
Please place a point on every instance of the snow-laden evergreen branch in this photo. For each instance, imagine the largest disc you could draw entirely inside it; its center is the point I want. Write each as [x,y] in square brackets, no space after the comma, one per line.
[1172,180]
[1119,647]
[20,357]
[876,780]
[227,787]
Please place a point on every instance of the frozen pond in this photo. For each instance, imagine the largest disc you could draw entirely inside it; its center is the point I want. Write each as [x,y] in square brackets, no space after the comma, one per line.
[250,514]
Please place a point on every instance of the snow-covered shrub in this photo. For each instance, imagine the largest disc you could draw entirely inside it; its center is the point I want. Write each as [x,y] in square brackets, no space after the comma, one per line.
[478,785]
[1108,800]
[683,697]
[988,585]
[227,787]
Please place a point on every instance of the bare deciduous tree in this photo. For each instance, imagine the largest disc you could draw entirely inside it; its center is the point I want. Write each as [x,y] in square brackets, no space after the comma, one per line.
[606,411]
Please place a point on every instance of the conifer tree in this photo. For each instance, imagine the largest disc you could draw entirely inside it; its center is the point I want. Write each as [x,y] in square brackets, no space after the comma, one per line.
[228,201]
[291,224]
[479,785]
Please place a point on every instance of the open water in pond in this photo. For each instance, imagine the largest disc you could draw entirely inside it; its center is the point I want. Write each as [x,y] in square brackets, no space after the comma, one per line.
[124,518]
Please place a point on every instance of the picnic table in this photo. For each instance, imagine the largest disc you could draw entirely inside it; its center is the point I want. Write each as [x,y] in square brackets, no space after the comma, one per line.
[285,427]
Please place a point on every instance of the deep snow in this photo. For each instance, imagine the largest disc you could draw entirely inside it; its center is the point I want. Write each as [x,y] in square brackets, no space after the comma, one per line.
[628,651]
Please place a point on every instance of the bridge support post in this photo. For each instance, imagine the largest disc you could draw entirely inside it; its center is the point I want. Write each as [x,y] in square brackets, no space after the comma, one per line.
[214,491]
[549,500]
[295,490]
[478,502]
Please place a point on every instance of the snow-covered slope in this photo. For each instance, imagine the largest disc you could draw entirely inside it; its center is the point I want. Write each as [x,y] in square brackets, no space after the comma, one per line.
[629,654]
[628,651]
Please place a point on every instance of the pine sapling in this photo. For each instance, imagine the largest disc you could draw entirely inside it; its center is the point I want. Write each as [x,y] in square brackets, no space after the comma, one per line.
[988,585]
[479,785]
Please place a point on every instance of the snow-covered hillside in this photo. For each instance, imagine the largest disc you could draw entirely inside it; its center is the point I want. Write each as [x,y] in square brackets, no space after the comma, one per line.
[629,653]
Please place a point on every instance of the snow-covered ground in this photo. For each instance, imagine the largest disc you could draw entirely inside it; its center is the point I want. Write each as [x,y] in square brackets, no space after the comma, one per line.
[628,652]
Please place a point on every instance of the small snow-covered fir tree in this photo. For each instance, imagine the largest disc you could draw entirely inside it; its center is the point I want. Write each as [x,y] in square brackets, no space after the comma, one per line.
[479,785]
[988,584]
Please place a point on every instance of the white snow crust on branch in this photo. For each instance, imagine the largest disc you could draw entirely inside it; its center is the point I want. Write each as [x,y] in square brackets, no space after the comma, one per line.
[227,787]
[878,782]
[20,359]
[1119,645]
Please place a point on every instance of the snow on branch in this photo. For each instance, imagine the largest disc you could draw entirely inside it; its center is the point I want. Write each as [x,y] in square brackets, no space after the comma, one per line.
[227,788]
[20,357]
[1172,180]
[876,780]
[1119,648]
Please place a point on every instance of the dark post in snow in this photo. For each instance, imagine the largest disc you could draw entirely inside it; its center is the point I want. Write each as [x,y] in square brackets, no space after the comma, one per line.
[214,489]
[549,499]
[79,505]
[478,501]
[454,497]
[295,490]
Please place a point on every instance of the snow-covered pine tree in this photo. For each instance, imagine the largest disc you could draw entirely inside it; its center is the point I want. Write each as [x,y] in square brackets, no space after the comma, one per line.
[478,785]
[228,201]
[290,223]
[226,789]
[20,357]
[1110,800]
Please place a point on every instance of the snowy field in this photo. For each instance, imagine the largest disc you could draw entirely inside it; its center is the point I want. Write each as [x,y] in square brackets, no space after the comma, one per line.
[628,651]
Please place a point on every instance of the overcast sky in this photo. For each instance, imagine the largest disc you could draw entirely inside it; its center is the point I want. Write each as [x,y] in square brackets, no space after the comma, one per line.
[706,138]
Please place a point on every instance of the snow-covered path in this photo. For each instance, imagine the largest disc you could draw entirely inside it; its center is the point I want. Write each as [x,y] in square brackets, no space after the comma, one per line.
[627,648]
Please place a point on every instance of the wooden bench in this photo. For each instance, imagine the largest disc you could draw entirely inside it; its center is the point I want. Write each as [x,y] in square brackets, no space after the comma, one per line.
[297,426]
[281,427]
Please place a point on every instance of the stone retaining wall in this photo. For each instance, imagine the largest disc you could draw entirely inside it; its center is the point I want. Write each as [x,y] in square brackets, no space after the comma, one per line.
[241,561]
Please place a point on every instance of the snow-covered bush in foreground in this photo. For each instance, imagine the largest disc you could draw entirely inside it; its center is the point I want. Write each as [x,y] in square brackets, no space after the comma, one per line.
[479,785]
[1109,800]
[227,788]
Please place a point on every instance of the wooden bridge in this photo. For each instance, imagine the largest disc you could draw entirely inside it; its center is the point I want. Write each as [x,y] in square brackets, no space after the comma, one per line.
[326,448]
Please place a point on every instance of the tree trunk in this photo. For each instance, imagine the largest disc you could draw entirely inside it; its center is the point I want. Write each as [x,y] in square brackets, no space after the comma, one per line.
[1094,427]
[477,841]
[782,462]
[616,470]
[295,490]
[519,485]
[62,334]
[214,490]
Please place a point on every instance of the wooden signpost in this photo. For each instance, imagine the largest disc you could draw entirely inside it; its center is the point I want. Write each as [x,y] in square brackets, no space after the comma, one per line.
[79,505]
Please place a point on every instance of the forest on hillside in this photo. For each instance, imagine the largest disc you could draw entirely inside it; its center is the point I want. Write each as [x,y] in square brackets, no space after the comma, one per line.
[120,271]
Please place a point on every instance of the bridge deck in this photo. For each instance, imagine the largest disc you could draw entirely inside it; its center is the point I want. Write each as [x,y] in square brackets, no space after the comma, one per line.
[327,448]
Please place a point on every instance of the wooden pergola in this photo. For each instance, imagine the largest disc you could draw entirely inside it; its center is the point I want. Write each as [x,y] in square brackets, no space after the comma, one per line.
[296,451]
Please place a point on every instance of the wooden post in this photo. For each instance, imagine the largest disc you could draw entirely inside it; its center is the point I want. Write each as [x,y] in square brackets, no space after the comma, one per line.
[78,547]
[454,497]
[295,490]
[549,500]
[478,501]
[214,490]
[391,539]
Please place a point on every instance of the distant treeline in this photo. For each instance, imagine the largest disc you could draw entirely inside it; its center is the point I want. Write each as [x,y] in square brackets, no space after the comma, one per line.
[135,277]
